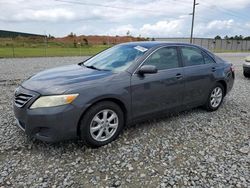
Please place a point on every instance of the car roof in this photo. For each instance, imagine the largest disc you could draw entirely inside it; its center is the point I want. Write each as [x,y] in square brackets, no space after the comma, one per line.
[151,44]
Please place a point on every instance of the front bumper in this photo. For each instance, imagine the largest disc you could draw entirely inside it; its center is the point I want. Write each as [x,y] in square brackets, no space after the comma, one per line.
[51,124]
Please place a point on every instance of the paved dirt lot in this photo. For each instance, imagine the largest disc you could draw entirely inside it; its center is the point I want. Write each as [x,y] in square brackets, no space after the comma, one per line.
[192,148]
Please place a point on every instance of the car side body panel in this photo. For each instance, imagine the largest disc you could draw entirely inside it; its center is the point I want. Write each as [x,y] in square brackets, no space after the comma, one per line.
[198,82]
[157,92]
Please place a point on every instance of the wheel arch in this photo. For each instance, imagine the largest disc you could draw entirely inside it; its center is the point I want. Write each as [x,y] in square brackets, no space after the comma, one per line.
[117,101]
[224,84]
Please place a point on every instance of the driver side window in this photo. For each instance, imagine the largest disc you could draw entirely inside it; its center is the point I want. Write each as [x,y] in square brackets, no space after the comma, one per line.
[164,58]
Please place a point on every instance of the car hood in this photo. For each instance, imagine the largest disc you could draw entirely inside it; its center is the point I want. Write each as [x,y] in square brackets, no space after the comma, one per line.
[59,80]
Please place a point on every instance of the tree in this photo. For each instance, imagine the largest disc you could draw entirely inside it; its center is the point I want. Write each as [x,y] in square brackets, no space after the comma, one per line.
[236,37]
[128,33]
[217,37]
[247,38]
[226,37]
[72,34]
[75,44]
[85,41]
[51,37]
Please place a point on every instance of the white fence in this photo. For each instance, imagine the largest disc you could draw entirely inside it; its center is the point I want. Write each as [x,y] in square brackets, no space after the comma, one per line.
[214,45]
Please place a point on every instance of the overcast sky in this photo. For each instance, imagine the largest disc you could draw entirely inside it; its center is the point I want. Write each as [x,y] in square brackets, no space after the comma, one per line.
[148,18]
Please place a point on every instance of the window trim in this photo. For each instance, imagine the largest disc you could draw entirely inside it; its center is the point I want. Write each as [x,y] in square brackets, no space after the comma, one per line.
[178,56]
[183,62]
[202,52]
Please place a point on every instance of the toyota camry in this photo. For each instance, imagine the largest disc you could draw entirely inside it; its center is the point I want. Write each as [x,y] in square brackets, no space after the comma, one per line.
[94,100]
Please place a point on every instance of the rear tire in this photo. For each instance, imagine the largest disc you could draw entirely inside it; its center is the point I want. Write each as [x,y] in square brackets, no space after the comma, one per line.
[247,75]
[101,124]
[215,98]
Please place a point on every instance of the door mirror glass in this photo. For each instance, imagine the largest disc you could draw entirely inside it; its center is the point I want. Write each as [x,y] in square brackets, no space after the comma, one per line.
[147,69]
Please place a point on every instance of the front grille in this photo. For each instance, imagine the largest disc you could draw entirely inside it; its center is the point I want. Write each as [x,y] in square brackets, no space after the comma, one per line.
[21,99]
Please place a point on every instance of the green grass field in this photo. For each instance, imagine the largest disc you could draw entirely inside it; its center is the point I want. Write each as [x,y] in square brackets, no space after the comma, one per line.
[53,51]
[9,52]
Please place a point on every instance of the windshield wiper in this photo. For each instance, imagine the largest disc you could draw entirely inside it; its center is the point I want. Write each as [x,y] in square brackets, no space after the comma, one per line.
[93,67]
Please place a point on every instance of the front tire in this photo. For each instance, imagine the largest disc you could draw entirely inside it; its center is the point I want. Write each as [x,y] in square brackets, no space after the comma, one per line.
[215,97]
[101,124]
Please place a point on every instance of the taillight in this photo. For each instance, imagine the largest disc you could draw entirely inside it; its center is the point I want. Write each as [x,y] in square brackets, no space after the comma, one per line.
[232,68]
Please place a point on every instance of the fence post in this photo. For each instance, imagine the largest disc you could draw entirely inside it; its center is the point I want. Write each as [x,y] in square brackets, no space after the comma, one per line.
[214,45]
[13,48]
[242,45]
[221,45]
[45,46]
[226,44]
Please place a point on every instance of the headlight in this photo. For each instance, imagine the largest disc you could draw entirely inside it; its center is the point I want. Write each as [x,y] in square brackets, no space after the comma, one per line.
[55,100]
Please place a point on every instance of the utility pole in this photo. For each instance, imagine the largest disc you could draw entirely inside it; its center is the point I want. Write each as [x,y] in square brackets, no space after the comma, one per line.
[192,27]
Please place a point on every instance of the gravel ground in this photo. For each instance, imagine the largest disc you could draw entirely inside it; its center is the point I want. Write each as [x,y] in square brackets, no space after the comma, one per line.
[192,148]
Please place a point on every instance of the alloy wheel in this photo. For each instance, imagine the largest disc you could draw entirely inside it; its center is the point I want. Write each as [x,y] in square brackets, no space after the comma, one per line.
[104,125]
[216,97]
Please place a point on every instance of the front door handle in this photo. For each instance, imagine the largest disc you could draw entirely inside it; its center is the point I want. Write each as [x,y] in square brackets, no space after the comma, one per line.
[179,76]
[213,69]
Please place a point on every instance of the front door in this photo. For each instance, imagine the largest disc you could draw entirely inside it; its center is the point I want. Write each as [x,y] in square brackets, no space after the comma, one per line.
[162,90]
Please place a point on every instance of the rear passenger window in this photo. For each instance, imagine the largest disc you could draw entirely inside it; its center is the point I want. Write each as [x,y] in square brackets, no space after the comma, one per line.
[192,56]
[164,58]
[207,59]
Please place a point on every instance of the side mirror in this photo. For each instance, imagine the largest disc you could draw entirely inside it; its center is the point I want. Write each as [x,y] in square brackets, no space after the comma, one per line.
[147,69]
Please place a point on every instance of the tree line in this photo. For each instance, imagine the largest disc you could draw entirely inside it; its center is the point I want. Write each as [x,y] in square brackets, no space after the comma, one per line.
[236,37]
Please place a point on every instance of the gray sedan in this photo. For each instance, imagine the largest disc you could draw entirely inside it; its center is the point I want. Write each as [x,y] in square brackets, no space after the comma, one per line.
[246,67]
[130,82]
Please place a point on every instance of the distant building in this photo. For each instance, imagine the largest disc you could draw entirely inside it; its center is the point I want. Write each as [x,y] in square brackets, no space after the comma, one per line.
[13,34]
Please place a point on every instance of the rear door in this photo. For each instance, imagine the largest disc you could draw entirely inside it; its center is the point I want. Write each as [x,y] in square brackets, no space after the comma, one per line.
[162,90]
[199,73]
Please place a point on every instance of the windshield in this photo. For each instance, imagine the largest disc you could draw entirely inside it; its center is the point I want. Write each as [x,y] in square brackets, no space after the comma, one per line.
[117,58]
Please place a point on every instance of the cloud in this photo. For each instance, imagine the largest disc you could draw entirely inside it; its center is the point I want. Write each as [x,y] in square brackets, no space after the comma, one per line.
[123,29]
[49,15]
[229,4]
[221,27]
[162,28]
[247,25]
[149,18]
[221,24]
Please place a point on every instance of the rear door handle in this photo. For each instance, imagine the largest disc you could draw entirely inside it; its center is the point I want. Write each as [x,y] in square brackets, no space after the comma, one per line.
[179,76]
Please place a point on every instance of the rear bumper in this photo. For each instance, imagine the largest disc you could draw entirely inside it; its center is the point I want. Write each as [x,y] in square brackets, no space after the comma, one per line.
[230,81]
[51,124]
